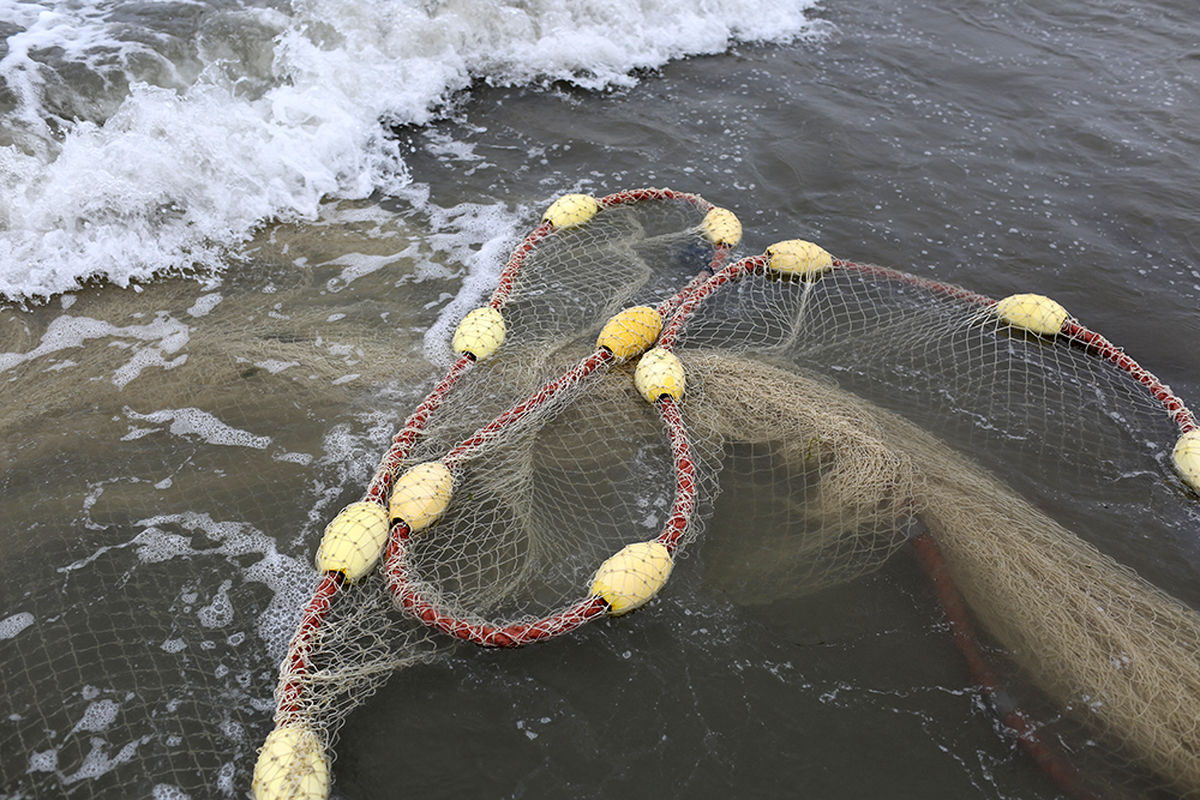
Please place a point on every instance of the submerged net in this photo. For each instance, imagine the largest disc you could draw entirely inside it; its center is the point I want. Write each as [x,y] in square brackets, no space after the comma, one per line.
[529,469]
[1006,386]
[1090,632]
[574,450]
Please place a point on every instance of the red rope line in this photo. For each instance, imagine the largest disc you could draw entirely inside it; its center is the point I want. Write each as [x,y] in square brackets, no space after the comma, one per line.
[406,594]
[639,195]
[937,287]
[548,392]
[1065,777]
[508,275]
[302,641]
[1179,413]
[687,308]
[668,306]
[685,474]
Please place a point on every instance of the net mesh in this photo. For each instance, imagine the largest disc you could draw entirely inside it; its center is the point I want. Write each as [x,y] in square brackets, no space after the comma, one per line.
[151,531]
[541,490]
[556,462]
[1095,636]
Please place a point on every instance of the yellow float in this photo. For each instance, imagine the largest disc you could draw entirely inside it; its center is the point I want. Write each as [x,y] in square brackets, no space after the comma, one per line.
[421,495]
[630,332]
[1032,312]
[799,258]
[629,579]
[571,210]
[659,373]
[354,540]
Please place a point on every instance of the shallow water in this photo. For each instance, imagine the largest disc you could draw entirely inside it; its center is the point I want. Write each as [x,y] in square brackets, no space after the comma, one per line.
[175,447]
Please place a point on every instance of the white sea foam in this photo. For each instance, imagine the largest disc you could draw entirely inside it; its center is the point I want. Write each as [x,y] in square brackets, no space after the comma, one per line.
[11,625]
[98,716]
[289,579]
[159,157]
[165,336]
[204,304]
[193,421]
[219,612]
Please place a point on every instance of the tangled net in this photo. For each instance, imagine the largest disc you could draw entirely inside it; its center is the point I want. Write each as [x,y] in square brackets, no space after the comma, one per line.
[629,365]
[571,453]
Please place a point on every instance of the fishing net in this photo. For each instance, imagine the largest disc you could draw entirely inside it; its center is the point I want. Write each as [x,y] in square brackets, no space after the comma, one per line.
[161,462]
[526,468]
[626,368]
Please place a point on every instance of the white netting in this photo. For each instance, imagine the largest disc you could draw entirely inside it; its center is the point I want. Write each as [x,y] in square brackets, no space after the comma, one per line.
[1093,635]
[555,463]
[166,463]
[810,400]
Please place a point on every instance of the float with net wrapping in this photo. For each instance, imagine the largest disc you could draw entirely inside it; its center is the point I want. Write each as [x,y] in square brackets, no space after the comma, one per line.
[626,366]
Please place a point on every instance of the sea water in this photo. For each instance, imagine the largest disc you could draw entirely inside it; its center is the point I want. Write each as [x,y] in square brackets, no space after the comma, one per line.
[235,238]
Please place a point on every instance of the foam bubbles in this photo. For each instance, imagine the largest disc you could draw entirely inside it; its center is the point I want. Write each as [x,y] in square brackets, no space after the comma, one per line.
[290,580]
[43,761]
[194,422]
[219,612]
[12,625]
[98,716]
[163,337]
[204,304]
[98,761]
[154,344]
[176,143]
[155,545]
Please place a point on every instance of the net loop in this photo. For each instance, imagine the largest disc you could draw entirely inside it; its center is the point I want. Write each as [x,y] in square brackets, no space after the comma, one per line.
[462,498]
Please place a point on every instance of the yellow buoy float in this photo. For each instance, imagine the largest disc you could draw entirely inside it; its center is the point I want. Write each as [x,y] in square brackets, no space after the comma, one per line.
[480,333]
[571,210]
[660,372]
[629,579]
[1186,456]
[291,766]
[421,495]
[799,259]
[630,332]
[1032,312]
[722,227]
[354,540]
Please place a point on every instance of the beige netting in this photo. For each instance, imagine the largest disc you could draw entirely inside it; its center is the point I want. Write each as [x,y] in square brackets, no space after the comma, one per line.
[850,408]
[846,483]
[1091,633]
[547,464]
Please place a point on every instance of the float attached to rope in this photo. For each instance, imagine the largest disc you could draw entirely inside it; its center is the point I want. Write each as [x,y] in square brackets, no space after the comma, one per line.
[511,505]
